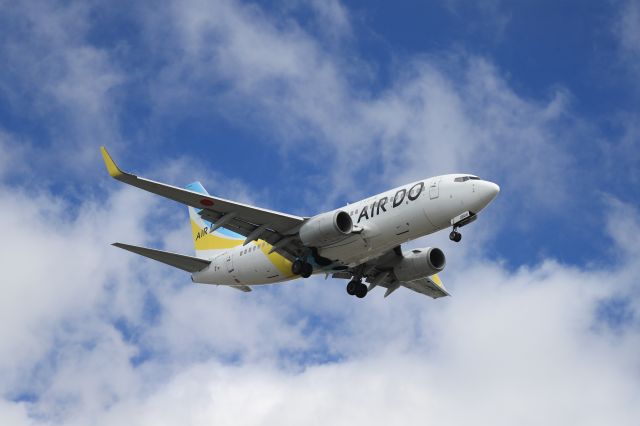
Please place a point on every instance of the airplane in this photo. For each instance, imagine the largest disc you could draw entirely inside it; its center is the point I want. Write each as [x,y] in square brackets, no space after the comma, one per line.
[241,246]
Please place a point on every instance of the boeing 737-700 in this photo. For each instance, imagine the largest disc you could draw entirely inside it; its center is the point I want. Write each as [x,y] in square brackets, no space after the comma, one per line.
[240,246]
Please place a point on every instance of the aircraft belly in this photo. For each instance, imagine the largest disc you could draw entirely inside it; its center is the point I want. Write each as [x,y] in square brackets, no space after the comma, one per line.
[253,268]
[258,266]
[381,234]
[343,252]
[212,275]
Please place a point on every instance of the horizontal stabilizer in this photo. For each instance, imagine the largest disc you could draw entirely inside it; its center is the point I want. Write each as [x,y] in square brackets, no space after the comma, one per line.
[180,261]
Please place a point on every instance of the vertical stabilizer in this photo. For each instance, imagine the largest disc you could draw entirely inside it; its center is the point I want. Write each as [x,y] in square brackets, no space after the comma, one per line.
[209,244]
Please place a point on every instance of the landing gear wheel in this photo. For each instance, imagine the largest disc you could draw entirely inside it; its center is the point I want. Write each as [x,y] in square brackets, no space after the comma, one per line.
[455,236]
[351,287]
[296,267]
[361,291]
[307,270]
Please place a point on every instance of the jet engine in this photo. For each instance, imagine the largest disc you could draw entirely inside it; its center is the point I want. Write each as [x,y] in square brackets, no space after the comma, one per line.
[326,228]
[419,263]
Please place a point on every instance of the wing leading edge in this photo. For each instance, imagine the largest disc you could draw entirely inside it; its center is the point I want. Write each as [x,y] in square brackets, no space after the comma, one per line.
[278,229]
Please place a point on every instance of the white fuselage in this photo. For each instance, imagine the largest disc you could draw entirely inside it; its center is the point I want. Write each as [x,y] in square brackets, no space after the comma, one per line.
[381,223]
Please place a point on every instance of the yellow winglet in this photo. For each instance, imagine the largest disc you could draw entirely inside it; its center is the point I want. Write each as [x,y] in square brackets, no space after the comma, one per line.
[113,170]
[436,279]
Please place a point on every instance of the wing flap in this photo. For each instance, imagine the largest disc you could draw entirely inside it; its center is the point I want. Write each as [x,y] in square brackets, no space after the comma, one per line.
[180,261]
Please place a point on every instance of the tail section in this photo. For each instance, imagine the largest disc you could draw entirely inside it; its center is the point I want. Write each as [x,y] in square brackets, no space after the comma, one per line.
[208,244]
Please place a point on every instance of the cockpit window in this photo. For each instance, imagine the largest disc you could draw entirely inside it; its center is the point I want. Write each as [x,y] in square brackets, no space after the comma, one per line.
[466,178]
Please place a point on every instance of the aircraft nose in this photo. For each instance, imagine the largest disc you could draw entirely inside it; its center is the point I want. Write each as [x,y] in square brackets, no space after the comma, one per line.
[487,191]
[493,189]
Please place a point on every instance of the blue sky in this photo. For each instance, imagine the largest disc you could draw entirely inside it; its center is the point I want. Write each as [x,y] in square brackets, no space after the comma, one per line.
[301,107]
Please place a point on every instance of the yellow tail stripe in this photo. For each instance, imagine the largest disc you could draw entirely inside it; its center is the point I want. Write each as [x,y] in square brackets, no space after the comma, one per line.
[205,241]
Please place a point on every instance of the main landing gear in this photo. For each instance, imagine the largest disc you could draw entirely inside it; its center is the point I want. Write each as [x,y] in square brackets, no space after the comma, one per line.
[455,235]
[356,288]
[302,268]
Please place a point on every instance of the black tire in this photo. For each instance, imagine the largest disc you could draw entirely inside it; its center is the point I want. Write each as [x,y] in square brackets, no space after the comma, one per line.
[296,267]
[458,237]
[361,290]
[452,235]
[307,270]
[351,287]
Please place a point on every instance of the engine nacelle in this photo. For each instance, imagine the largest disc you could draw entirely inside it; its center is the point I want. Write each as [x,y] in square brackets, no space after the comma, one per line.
[420,263]
[326,228]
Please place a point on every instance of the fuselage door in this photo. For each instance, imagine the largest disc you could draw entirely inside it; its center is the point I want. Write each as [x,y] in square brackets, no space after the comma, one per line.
[229,262]
[434,190]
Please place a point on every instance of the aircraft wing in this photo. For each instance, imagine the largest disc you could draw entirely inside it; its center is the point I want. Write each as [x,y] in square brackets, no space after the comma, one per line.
[379,272]
[429,286]
[278,229]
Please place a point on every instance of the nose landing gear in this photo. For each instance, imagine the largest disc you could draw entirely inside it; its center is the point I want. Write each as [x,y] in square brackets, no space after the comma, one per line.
[357,288]
[455,235]
[462,219]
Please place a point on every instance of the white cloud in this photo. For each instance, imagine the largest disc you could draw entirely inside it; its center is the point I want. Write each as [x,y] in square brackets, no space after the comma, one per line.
[276,77]
[280,77]
[58,81]
[12,155]
[628,27]
[626,31]
[489,18]
[332,19]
